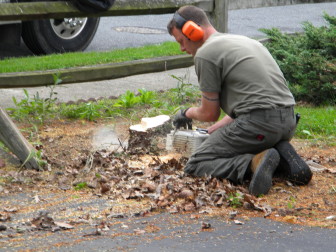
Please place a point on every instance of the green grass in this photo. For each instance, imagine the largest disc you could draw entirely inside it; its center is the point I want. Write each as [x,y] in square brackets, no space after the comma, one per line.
[68,60]
[317,123]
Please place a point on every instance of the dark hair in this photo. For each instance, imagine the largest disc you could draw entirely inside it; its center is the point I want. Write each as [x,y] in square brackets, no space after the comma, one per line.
[192,13]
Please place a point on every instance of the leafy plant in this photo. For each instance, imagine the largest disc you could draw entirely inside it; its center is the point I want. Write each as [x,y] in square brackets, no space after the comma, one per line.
[235,199]
[3,147]
[308,61]
[184,92]
[81,186]
[37,155]
[147,97]
[181,90]
[89,111]
[127,100]
[36,108]
[291,203]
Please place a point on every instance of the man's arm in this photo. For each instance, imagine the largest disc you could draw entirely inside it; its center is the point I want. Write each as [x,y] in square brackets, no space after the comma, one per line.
[225,121]
[209,111]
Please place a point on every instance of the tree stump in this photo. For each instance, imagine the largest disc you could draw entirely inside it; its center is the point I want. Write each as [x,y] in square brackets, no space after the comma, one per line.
[148,137]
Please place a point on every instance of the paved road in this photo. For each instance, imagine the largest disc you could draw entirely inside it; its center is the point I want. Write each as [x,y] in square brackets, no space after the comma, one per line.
[159,232]
[180,233]
[132,31]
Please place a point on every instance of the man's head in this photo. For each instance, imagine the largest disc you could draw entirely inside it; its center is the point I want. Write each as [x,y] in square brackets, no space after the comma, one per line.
[190,27]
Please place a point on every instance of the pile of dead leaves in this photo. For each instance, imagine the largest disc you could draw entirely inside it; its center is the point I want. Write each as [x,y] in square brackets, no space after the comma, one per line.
[159,181]
[165,184]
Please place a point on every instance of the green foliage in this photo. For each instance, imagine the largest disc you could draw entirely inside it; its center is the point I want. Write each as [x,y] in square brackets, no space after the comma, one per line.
[89,111]
[184,92]
[127,100]
[37,155]
[308,61]
[37,109]
[291,203]
[130,100]
[81,186]
[235,199]
[69,111]
[3,147]
[86,110]
[163,108]
[127,105]
[147,97]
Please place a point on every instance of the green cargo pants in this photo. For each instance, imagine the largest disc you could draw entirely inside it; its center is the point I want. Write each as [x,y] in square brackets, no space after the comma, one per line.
[228,151]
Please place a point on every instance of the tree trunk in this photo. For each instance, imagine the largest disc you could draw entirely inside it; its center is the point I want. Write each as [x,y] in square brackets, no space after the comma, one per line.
[11,136]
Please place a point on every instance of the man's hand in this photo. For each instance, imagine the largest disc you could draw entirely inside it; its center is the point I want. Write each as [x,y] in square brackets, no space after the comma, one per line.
[181,120]
[219,124]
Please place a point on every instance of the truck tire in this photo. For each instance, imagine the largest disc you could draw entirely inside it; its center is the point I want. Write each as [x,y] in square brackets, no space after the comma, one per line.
[59,35]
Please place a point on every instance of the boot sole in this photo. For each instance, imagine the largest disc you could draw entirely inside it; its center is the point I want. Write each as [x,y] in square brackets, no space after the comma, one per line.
[261,181]
[295,168]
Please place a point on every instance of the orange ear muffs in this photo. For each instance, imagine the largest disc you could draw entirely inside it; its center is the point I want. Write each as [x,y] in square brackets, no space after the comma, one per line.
[192,31]
[189,28]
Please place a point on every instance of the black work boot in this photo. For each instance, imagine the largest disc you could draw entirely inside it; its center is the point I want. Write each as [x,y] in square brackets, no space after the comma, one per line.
[263,166]
[292,166]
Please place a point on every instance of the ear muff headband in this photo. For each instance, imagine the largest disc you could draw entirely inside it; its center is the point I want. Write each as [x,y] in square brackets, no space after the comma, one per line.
[180,21]
[189,28]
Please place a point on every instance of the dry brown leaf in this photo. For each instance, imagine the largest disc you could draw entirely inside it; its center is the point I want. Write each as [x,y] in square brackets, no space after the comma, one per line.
[63,225]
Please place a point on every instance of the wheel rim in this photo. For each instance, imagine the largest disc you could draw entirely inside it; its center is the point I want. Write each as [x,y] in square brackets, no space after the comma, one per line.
[68,28]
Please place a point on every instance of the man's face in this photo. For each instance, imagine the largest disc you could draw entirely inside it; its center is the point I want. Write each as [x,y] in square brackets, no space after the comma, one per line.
[186,45]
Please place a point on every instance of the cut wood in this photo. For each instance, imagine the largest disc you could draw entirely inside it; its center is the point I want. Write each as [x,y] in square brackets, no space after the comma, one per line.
[11,136]
[147,137]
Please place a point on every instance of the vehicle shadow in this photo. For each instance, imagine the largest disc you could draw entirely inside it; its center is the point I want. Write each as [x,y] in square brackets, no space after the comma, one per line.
[10,51]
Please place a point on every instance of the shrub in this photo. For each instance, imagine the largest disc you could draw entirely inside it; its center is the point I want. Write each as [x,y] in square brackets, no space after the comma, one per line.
[308,61]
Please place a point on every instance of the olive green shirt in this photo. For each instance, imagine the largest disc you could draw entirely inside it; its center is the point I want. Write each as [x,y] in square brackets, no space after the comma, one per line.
[244,73]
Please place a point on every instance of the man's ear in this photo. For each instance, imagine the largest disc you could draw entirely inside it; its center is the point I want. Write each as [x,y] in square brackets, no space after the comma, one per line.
[192,31]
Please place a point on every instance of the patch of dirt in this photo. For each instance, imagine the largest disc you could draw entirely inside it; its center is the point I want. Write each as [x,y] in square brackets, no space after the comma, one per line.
[156,182]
